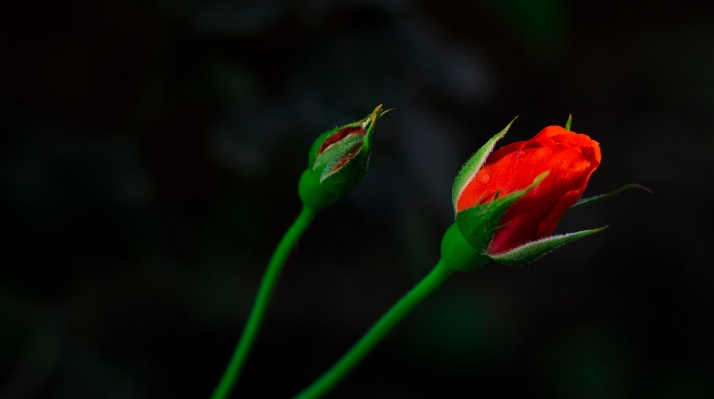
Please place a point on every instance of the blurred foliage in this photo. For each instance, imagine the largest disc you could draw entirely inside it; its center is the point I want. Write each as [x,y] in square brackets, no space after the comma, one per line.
[461,333]
[592,364]
[541,23]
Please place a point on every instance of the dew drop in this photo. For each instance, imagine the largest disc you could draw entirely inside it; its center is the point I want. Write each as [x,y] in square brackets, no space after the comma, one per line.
[520,154]
[485,178]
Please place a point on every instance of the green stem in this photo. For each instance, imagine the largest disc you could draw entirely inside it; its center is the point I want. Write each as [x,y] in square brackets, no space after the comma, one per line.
[365,345]
[257,314]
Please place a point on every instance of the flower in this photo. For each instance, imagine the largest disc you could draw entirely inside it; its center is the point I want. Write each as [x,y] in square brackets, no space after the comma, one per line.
[570,158]
[508,203]
[338,161]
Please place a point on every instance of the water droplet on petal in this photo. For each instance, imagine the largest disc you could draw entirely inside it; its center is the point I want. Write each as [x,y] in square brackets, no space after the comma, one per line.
[520,154]
[485,178]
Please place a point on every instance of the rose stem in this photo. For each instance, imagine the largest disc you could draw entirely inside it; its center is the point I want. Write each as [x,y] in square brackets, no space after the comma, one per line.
[368,341]
[262,300]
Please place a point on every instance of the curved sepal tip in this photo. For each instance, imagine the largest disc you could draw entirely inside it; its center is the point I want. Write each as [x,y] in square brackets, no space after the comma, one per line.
[472,166]
[530,252]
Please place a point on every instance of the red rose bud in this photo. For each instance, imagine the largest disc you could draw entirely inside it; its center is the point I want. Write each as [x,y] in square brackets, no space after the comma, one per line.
[570,157]
[338,161]
[508,203]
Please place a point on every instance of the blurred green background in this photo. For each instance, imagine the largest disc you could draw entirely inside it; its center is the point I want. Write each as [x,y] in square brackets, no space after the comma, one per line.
[149,158]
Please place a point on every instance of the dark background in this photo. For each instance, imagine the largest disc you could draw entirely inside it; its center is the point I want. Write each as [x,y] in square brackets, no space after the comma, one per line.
[150,154]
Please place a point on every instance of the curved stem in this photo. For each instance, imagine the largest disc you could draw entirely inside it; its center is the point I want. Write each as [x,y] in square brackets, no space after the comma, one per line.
[365,345]
[257,314]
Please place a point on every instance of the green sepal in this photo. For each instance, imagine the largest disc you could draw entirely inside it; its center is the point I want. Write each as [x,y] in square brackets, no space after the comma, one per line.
[357,147]
[350,175]
[458,254]
[590,200]
[472,166]
[318,143]
[529,252]
[480,222]
[569,123]
[312,194]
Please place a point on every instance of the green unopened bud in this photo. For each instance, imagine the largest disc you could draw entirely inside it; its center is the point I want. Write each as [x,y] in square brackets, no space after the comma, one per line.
[338,161]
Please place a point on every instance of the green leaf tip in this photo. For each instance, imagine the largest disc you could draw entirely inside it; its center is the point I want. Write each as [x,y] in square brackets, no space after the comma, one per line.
[532,251]
[597,198]
[472,166]
[569,123]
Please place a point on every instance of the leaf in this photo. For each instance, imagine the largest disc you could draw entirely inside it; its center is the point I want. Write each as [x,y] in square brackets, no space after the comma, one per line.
[569,123]
[590,200]
[528,253]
